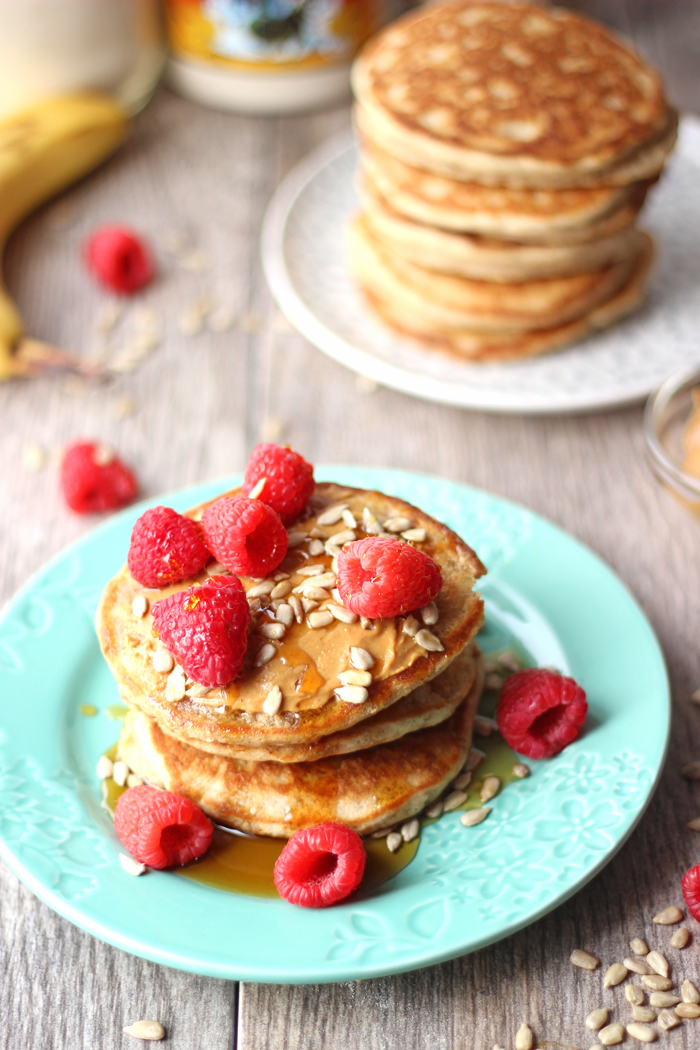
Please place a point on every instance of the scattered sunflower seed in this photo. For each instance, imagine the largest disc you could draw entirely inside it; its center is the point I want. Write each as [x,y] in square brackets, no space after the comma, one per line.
[273,701]
[149,1030]
[615,975]
[667,1019]
[410,626]
[175,687]
[105,767]
[641,1032]
[694,824]
[611,1034]
[484,726]
[474,759]
[663,1000]
[410,830]
[393,841]
[520,770]
[493,681]
[296,606]
[657,982]
[162,661]
[133,781]
[524,1039]
[398,524]
[490,788]
[265,654]
[690,1010]
[689,992]
[139,606]
[429,614]
[281,589]
[644,1013]
[352,694]
[296,538]
[462,781]
[285,614]
[671,915]
[34,457]
[355,678]
[638,965]
[429,641]
[131,866]
[680,937]
[598,1018]
[509,661]
[257,488]
[638,946]
[320,619]
[360,658]
[316,594]
[259,589]
[273,630]
[584,960]
[307,605]
[341,538]
[634,994]
[339,612]
[332,515]
[414,535]
[434,809]
[454,800]
[120,773]
[658,963]
[475,816]
[349,519]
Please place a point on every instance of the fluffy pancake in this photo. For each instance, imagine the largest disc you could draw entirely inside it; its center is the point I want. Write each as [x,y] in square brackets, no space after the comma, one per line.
[575,214]
[365,791]
[445,301]
[489,259]
[513,94]
[479,346]
[431,703]
[307,661]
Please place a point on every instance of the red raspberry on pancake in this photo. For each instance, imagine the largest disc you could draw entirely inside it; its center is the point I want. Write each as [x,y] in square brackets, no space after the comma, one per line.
[245,535]
[166,547]
[383,577]
[161,829]
[320,865]
[540,712]
[288,480]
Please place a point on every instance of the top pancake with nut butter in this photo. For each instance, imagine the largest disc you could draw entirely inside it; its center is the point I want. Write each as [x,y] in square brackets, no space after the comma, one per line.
[302,638]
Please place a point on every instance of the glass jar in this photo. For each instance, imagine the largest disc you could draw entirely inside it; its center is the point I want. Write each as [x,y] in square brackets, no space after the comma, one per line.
[55,47]
[267,56]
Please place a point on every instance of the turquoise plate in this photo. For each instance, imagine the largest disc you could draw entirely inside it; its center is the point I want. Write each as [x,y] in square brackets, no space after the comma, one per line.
[467,887]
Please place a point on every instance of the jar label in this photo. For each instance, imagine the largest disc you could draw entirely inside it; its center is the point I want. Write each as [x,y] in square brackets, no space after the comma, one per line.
[270,34]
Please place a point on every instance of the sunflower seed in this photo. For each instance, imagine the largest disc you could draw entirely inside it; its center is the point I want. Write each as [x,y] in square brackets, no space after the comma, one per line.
[105,767]
[634,994]
[320,619]
[315,594]
[342,614]
[151,1030]
[520,770]
[638,946]
[285,614]
[352,694]
[265,655]
[689,992]
[434,809]
[366,624]
[657,982]
[410,626]
[429,641]
[311,570]
[658,963]
[462,781]
[354,677]
[162,661]
[316,547]
[584,960]
[257,488]
[638,965]
[258,589]
[398,524]
[493,681]
[393,841]
[475,816]
[694,824]
[490,788]
[414,535]
[120,773]
[474,759]
[453,800]
[671,915]
[667,1019]
[509,661]
[484,726]
[296,608]
[308,605]
[664,999]
[331,548]
[524,1039]
[215,568]
[680,937]
[139,606]
[642,1032]
[341,538]
[332,515]
[383,832]
[281,590]
[611,1034]
[598,1018]
[349,519]
[273,701]
[644,1013]
[410,830]
[273,630]
[130,865]
[295,539]
[360,658]
[689,1010]
[175,688]
[375,529]
[197,691]
[614,975]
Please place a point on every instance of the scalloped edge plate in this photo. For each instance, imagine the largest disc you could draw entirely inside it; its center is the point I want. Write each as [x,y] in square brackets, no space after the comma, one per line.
[466,888]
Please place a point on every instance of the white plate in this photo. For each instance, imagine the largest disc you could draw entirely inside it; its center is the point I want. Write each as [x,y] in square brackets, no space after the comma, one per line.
[302,248]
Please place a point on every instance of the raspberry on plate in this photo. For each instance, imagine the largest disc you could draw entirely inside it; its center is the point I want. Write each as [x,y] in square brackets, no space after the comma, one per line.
[166,547]
[690,885]
[289,480]
[119,259]
[206,629]
[161,829]
[93,479]
[383,577]
[540,712]
[245,535]
[320,865]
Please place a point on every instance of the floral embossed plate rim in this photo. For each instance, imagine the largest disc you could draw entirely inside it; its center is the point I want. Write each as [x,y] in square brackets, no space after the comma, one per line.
[466,888]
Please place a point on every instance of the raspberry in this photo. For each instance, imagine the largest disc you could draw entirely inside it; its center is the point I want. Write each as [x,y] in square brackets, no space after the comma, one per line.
[289,480]
[165,548]
[206,629]
[690,884]
[119,259]
[93,479]
[320,865]
[381,577]
[540,712]
[161,829]
[245,535]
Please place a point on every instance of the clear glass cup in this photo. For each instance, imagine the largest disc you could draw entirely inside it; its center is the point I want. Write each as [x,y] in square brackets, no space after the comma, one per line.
[665,415]
[56,47]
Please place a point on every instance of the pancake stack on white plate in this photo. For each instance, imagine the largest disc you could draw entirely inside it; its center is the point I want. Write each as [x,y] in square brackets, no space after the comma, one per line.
[507,150]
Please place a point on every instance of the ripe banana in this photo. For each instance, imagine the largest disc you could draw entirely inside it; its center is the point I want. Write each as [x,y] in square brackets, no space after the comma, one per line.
[42,151]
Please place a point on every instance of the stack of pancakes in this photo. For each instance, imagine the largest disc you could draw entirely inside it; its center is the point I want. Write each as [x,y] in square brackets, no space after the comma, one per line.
[506,151]
[368,757]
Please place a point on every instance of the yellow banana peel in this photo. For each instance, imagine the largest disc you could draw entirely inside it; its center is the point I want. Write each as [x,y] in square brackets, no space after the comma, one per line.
[42,151]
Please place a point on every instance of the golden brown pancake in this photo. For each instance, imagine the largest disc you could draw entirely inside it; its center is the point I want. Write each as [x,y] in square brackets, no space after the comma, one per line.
[365,791]
[485,347]
[513,94]
[307,660]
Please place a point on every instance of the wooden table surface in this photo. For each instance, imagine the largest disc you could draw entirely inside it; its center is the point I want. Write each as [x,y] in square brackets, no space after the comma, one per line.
[191,411]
